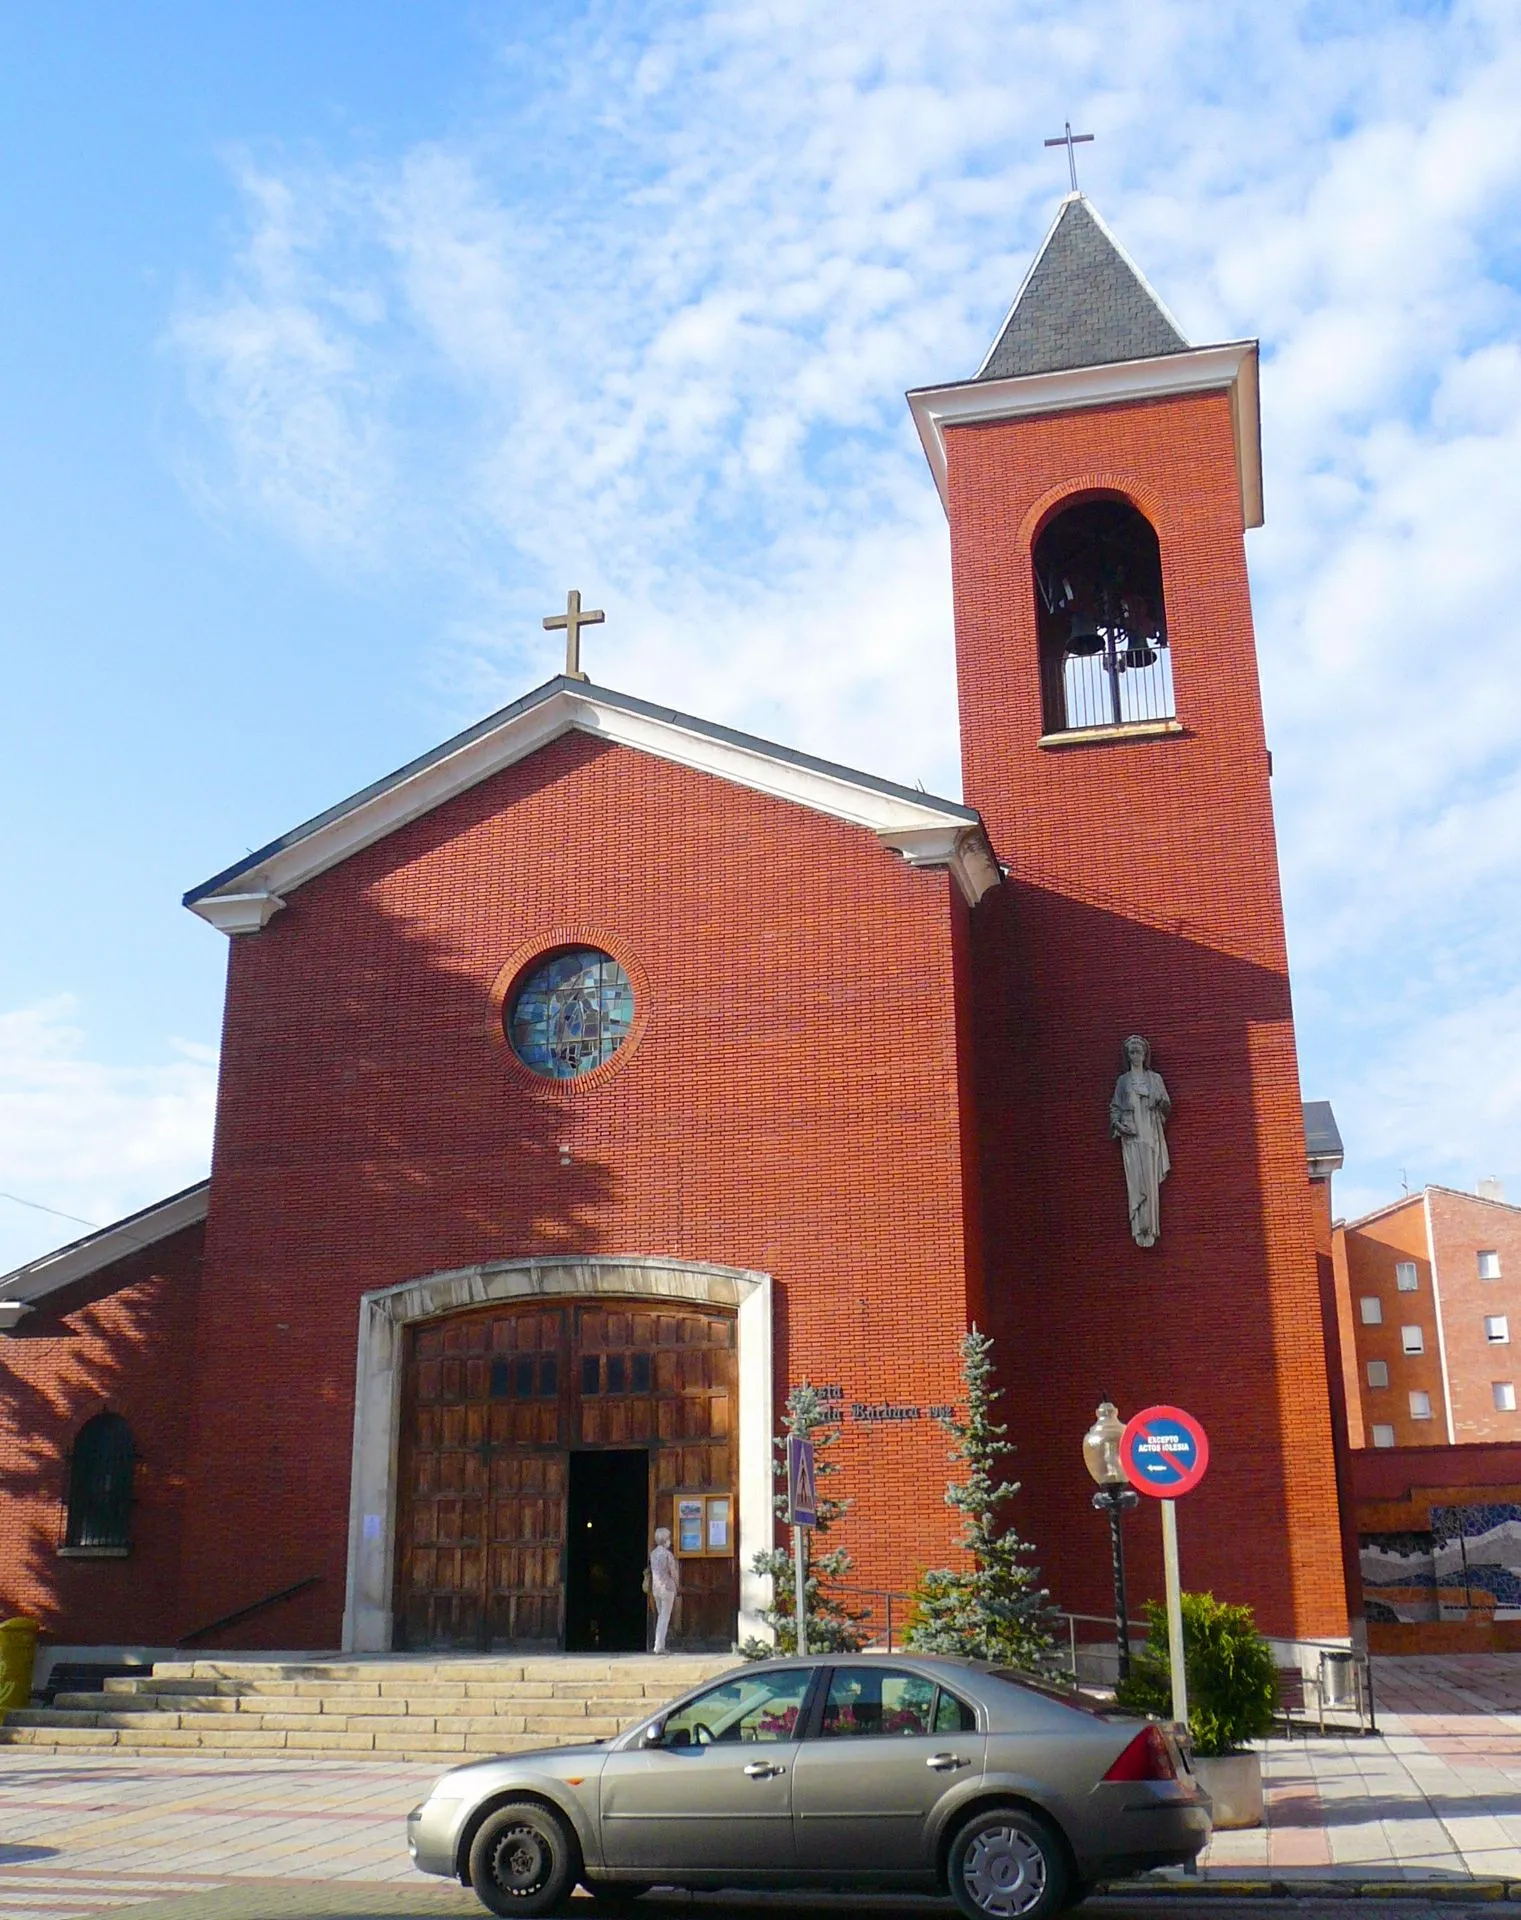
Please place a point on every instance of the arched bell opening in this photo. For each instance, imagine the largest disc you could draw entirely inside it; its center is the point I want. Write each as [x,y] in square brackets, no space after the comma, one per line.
[1104,657]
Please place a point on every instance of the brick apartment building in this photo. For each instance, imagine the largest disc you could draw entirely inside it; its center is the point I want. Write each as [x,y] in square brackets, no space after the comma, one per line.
[604,1072]
[1429,1308]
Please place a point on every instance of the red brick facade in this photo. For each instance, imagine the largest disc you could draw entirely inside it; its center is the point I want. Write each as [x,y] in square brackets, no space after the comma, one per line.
[1461,1261]
[122,1343]
[840,1075]
[791,1106]
[1144,897]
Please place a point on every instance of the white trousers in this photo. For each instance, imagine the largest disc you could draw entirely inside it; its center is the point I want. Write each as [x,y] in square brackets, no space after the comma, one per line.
[664,1604]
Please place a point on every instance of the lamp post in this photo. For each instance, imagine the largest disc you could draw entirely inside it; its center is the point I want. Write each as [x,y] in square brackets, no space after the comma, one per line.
[1101,1456]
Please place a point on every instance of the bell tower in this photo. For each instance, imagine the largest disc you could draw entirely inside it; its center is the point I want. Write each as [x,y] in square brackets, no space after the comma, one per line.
[1099,475]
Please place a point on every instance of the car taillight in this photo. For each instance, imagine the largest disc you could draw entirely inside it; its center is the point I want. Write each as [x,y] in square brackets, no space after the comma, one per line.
[1146,1758]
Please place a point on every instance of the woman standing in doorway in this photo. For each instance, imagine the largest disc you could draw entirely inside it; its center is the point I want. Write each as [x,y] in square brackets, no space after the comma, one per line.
[664,1584]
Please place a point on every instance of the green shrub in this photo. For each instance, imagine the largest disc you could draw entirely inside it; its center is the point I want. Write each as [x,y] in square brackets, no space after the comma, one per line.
[1228,1666]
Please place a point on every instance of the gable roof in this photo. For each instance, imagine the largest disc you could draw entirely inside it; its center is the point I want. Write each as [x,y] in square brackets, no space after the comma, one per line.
[21,1289]
[1322,1139]
[1087,330]
[1084,303]
[1419,1199]
[925,830]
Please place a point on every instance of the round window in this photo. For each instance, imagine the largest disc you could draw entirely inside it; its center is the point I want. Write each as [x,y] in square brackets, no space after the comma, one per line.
[570,1013]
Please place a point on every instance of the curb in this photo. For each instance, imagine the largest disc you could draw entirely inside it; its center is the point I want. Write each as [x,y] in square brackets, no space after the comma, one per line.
[1200,1887]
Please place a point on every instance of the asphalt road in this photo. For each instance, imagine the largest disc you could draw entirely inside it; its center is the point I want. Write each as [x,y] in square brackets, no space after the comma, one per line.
[273,1900]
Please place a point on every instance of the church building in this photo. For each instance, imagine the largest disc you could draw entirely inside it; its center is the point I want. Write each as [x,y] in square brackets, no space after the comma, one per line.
[603,1073]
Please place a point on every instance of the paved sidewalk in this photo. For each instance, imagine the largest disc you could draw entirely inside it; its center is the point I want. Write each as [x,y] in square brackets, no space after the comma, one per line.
[82,1836]
[1436,1800]
[1436,1797]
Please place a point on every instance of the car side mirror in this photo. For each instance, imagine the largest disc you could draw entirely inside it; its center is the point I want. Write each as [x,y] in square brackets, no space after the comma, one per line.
[654,1734]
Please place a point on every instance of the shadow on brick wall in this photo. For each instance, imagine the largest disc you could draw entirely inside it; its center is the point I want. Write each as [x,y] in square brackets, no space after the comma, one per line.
[373,1129]
[1222,1316]
[120,1343]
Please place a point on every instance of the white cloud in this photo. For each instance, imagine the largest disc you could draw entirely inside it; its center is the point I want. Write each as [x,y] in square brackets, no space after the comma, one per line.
[88,1139]
[644,327]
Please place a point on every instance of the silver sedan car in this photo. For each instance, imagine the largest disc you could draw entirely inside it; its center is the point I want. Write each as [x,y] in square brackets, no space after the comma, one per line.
[866,1771]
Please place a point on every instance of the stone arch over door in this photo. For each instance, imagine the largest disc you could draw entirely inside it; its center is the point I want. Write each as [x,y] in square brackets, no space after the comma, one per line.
[386,1314]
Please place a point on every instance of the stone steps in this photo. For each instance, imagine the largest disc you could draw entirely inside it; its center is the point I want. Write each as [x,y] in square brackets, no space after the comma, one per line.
[397,1708]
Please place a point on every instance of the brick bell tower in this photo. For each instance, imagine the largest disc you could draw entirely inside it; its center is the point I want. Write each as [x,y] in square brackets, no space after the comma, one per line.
[1099,474]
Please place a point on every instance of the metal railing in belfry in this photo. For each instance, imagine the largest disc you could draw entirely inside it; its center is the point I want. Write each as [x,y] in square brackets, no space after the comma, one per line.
[1115,687]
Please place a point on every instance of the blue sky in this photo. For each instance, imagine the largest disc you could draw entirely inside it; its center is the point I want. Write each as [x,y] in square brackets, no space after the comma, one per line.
[338,341]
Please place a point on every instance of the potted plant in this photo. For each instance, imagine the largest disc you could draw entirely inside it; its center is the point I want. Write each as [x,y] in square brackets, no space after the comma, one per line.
[1230,1674]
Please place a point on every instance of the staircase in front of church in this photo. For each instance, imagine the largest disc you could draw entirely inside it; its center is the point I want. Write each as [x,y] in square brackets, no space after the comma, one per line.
[388,1707]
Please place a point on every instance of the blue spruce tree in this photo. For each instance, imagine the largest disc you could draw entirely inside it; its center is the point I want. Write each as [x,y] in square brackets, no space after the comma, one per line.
[995,1609]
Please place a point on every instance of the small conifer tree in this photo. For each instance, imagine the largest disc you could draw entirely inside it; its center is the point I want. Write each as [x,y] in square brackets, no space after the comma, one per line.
[995,1609]
[832,1626]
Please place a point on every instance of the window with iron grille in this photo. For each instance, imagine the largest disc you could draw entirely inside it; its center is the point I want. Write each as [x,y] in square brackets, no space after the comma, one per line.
[100,1484]
[1104,658]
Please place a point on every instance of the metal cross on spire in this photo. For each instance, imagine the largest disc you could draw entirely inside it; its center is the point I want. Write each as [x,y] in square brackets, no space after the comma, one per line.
[573,620]
[1069,140]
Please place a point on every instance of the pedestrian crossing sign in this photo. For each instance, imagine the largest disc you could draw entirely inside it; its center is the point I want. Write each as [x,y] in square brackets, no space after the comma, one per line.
[802,1499]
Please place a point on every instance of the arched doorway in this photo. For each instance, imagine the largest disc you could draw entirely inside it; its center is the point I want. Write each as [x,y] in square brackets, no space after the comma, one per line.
[533,1435]
[540,1444]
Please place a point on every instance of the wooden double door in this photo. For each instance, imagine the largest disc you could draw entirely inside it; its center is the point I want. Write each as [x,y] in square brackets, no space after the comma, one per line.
[494,1404]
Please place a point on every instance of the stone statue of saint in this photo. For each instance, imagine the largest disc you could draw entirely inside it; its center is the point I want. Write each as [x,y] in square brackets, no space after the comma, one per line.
[1138,1120]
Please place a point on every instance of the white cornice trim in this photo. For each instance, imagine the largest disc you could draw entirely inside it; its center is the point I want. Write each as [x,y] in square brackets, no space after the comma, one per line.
[964,850]
[248,912]
[1199,370]
[257,893]
[83,1258]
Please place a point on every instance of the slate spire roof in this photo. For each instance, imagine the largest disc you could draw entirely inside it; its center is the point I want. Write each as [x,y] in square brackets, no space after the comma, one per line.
[1084,303]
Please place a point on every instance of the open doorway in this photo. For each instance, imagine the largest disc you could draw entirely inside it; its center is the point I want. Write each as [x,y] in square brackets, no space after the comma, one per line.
[607,1541]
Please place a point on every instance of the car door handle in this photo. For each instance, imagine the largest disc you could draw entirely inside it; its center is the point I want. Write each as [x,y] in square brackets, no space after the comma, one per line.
[945,1762]
[762,1770]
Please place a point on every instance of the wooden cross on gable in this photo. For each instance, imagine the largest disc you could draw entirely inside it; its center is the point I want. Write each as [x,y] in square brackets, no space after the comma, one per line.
[573,620]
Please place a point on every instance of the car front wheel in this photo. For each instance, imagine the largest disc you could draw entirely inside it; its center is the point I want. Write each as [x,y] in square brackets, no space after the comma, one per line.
[1007,1864]
[523,1860]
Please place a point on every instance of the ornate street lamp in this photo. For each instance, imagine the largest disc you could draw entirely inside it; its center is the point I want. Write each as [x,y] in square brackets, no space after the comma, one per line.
[1101,1456]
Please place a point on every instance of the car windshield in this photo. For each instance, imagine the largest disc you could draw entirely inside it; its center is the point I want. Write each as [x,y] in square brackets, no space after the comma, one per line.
[1048,1690]
[763,1706]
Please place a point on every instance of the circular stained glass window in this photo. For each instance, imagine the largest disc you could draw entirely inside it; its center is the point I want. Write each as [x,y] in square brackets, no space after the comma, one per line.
[571,1013]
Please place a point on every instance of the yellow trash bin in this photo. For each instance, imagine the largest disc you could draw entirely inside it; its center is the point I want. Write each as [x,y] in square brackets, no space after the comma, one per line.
[18,1652]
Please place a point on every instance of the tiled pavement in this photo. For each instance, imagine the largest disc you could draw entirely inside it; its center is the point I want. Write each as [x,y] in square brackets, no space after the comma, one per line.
[1437,1797]
[86,1836]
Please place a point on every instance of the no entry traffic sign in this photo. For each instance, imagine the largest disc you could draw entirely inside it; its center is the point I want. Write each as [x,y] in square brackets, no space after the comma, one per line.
[1164,1452]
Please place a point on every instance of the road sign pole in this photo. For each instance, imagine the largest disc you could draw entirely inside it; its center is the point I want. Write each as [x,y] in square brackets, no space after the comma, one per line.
[1174,1614]
[800,1573]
